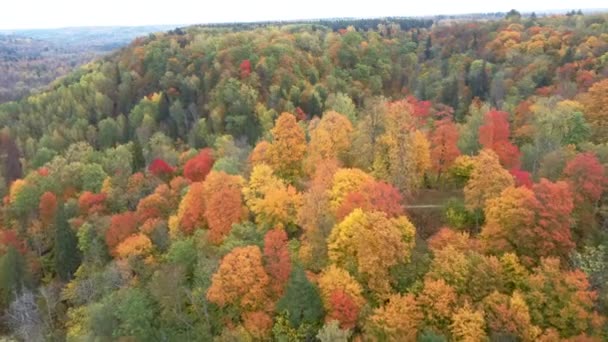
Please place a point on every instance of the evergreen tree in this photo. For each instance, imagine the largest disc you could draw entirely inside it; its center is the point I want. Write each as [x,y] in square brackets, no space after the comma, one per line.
[139,162]
[67,255]
[13,167]
[12,275]
[301,300]
[428,54]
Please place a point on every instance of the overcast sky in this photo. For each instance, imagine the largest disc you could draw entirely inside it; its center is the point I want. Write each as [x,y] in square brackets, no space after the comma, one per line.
[15,14]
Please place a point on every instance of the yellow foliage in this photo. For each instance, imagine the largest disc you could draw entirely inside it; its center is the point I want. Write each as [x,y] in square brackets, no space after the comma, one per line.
[344,182]
[398,320]
[134,245]
[468,325]
[488,179]
[373,243]
[270,199]
[334,278]
[16,188]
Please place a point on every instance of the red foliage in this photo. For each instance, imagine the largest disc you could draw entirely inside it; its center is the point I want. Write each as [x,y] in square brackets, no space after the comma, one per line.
[420,109]
[89,202]
[522,178]
[10,238]
[586,177]
[43,171]
[197,168]
[300,115]
[554,220]
[245,68]
[276,254]
[374,195]
[343,309]
[121,226]
[47,207]
[159,167]
[494,134]
[444,149]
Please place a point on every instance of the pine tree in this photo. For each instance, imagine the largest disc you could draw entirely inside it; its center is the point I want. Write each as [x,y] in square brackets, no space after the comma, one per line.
[139,162]
[12,275]
[301,300]
[67,255]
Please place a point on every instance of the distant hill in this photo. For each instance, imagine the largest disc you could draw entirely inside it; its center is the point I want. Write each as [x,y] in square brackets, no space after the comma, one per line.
[31,59]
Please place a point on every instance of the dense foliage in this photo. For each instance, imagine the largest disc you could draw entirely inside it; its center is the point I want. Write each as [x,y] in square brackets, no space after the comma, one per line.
[270,183]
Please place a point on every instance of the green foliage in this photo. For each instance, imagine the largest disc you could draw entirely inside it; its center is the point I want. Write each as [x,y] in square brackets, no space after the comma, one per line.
[136,313]
[301,300]
[12,276]
[67,255]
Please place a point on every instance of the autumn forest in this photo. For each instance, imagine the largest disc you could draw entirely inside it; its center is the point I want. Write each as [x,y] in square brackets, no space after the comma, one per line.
[343,180]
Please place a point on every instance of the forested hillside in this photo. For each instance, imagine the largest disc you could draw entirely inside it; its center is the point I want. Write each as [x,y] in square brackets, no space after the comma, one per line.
[31,59]
[243,183]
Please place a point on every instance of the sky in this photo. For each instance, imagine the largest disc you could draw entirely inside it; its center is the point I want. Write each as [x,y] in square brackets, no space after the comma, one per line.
[21,14]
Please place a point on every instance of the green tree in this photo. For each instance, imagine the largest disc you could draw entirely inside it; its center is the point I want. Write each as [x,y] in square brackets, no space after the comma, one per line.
[12,275]
[301,300]
[67,255]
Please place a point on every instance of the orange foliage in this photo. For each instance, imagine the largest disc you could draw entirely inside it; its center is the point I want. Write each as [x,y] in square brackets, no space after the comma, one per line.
[223,204]
[276,254]
[152,206]
[443,141]
[47,207]
[90,203]
[240,280]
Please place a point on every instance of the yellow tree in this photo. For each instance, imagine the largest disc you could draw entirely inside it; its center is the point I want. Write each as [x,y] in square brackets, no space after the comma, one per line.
[438,301]
[488,179]
[422,153]
[288,148]
[330,139]
[372,243]
[270,199]
[398,320]
[344,182]
[468,325]
[596,109]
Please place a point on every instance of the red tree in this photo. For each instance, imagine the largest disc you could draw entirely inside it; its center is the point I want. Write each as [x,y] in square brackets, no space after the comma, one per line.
[373,196]
[555,207]
[586,177]
[276,254]
[245,68]
[160,168]
[494,134]
[10,238]
[121,226]
[522,178]
[343,309]
[197,168]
